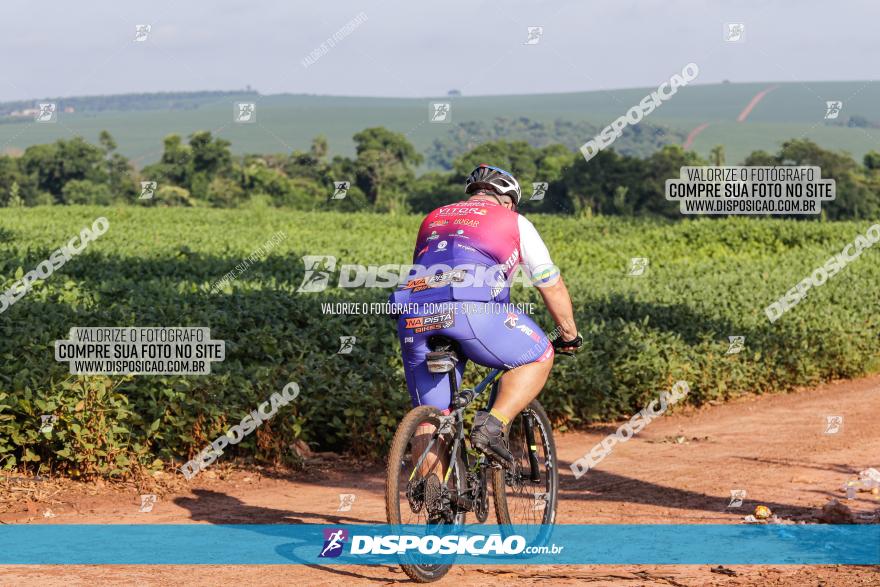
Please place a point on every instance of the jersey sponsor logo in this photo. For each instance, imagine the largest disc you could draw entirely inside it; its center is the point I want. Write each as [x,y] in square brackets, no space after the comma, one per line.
[511,320]
[439,280]
[434,236]
[459,233]
[437,223]
[445,278]
[422,251]
[455,211]
[432,322]
[467,222]
[417,284]
[511,260]
[465,247]
[528,331]
[441,245]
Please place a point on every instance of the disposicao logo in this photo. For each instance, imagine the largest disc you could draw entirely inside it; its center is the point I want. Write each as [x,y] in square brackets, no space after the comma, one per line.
[334,540]
[494,544]
[451,544]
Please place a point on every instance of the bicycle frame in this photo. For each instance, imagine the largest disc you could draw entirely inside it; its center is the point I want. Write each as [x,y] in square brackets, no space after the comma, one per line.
[455,418]
[491,379]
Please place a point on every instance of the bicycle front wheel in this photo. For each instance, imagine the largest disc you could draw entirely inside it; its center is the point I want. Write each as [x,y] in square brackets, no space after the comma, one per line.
[526,492]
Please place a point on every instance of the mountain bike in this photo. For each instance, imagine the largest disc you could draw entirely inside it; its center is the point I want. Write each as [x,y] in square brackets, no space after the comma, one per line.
[429,441]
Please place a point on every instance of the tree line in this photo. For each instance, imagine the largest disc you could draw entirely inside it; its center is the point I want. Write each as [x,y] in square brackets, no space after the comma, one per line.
[382,176]
[124,102]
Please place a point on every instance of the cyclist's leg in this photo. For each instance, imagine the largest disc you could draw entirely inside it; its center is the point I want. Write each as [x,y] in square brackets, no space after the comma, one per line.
[509,340]
[520,386]
[426,388]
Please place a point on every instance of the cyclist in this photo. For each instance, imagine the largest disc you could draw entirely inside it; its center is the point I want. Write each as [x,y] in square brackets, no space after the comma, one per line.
[471,240]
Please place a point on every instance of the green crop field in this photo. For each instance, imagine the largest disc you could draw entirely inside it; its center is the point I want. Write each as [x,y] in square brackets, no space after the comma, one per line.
[287,122]
[706,280]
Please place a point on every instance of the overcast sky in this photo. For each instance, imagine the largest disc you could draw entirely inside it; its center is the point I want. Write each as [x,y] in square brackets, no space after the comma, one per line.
[418,49]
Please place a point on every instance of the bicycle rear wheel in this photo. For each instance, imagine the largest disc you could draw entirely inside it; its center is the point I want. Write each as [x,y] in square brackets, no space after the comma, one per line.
[526,493]
[405,483]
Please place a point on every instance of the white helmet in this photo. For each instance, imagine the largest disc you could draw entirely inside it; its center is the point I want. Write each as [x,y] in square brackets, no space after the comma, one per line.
[495,179]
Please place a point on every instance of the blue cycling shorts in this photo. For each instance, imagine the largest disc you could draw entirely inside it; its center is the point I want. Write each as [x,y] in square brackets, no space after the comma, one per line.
[490,334]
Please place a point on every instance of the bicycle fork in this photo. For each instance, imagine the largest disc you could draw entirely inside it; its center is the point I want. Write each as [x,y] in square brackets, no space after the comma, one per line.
[535,473]
[529,431]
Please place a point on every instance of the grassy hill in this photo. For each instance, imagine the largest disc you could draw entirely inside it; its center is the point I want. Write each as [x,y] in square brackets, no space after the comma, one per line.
[286,122]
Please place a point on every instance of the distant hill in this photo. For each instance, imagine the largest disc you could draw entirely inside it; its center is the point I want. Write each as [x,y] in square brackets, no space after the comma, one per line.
[125,102]
[285,122]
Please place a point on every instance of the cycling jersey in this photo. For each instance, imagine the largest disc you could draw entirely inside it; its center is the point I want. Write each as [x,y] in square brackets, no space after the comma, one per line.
[480,242]
[464,255]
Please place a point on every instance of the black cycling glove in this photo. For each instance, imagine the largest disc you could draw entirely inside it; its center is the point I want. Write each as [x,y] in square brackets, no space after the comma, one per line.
[567,347]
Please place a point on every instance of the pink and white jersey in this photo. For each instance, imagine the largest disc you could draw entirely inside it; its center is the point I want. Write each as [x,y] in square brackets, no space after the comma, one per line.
[486,234]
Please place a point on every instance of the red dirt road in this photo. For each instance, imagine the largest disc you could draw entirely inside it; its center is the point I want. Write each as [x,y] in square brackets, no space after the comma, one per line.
[679,469]
[754,102]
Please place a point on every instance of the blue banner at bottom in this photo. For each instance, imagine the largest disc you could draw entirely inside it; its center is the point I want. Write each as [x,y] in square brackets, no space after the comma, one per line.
[261,544]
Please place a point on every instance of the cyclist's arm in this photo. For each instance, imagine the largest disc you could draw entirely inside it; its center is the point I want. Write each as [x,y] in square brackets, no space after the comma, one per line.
[545,275]
[559,304]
